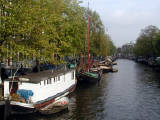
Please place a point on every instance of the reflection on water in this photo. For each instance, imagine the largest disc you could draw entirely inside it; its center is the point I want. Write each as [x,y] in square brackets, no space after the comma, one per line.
[133,93]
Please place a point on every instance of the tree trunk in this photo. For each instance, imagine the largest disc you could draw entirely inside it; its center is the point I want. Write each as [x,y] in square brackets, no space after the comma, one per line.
[38,65]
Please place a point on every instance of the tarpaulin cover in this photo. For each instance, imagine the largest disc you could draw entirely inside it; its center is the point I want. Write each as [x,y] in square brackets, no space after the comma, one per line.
[25,93]
[72,66]
[92,74]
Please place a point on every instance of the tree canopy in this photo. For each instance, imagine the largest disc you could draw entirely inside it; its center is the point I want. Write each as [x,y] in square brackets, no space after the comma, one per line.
[49,30]
[148,42]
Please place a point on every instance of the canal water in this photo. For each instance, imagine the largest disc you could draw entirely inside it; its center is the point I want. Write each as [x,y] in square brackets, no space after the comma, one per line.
[133,93]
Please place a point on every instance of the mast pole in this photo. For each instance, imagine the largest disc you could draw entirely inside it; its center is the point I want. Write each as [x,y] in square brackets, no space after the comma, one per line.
[88,38]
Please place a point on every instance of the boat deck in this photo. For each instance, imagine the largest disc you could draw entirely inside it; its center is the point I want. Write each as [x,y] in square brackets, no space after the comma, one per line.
[43,75]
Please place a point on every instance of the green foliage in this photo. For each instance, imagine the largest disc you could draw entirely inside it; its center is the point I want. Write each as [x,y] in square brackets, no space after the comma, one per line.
[112,49]
[48,28]
[100,42]
[148,42]
[157,45]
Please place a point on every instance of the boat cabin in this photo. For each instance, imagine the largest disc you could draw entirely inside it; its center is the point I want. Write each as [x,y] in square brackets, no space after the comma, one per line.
[38,87]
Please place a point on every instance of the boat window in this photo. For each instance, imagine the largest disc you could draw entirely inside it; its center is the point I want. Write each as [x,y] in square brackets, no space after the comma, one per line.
[41,83]
[50,81]
[72,75]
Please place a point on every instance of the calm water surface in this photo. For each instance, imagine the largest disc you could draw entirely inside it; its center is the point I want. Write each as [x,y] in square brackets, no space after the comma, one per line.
[133,93]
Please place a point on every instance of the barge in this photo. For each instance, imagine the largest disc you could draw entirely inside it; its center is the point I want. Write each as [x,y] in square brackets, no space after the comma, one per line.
[35,91]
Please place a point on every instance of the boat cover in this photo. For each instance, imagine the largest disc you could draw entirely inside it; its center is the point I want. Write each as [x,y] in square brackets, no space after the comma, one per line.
[72,66]
[95,75]
[25,93]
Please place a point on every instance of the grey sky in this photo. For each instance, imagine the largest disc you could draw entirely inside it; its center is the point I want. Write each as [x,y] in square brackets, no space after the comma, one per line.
[124,19]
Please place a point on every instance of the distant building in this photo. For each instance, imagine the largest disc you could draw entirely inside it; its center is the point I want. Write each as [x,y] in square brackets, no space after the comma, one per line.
[126,50]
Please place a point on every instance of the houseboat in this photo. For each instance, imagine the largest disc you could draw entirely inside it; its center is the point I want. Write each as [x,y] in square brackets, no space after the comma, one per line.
[34,92]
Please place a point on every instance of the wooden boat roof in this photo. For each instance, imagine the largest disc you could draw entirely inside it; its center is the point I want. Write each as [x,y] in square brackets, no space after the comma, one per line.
[40,76]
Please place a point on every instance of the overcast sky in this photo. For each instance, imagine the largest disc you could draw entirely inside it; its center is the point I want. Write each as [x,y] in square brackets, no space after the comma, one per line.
[124,19]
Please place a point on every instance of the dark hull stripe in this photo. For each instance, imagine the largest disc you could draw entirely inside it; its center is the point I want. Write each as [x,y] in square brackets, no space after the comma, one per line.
[15,109]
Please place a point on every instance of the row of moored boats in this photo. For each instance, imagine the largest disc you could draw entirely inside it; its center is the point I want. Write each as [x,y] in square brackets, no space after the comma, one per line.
[46,91]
